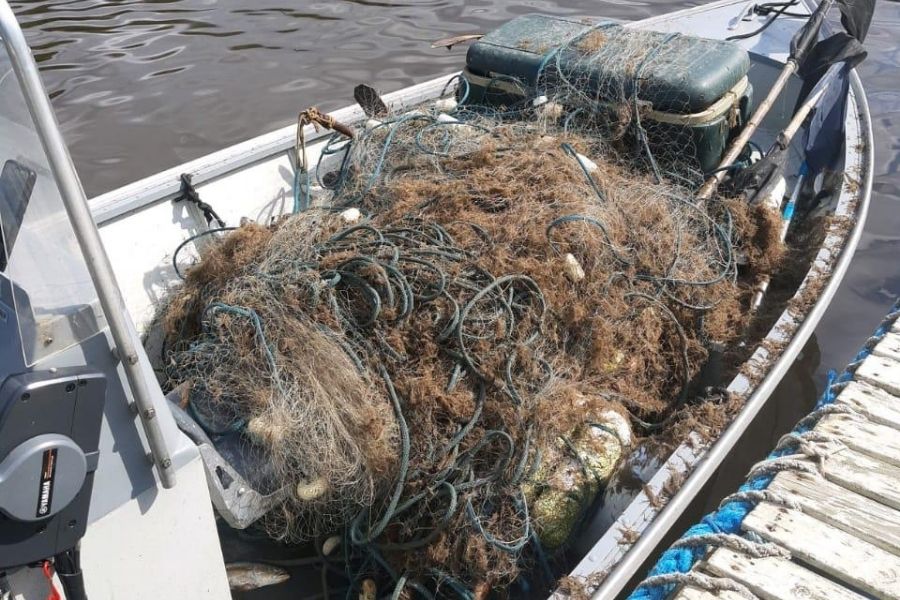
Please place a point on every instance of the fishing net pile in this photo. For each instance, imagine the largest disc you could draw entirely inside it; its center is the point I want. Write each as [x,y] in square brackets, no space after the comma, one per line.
[417,378]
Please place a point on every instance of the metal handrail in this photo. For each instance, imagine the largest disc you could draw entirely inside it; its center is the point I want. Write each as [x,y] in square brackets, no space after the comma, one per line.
[86,234]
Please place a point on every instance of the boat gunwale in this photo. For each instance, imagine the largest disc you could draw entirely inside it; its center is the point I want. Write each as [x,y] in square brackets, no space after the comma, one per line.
[166,185]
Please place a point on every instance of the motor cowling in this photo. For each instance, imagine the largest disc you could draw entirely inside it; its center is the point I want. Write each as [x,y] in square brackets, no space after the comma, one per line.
[49,435]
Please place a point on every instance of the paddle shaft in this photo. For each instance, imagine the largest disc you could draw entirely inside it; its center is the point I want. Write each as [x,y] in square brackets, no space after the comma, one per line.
[800,47]
[811,100]
[737,146]
[785,138]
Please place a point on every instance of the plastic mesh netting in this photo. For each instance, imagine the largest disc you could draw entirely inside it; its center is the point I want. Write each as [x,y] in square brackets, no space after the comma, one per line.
[422,379]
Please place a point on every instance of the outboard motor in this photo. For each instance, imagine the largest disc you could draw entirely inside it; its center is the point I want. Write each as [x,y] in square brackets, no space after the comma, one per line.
[50,418]
[85,433]
[49,433]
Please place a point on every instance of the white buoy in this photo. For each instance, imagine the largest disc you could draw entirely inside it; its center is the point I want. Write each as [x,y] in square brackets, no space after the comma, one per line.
[313,489]
[573,270]
[618,424]
[266,431]
[755,156]
[444,118]
[329,545]
[351,216]
[588,164]
[776,196]
[368,590]
[372,124]
[445,105]
[546,109]
[552,111]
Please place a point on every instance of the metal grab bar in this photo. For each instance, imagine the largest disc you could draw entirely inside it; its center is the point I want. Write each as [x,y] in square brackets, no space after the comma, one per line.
[86,234]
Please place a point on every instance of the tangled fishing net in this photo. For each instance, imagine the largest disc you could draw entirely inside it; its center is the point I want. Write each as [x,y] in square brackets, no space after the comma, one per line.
[415,378]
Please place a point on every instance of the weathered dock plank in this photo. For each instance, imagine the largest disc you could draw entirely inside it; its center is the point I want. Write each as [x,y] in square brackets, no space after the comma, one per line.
[881,372]
[888,347]
[872,402]
[693,593]
[864,436]
[846,558]
[774,578]
[841,508]
[864,475]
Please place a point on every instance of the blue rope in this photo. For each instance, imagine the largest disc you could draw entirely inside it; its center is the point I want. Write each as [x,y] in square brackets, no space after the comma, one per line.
[728,518]
[443,147]
[568,149]
[211,311]
[182,245]
[462,88]
[247,313]
[394,126]
[336,144]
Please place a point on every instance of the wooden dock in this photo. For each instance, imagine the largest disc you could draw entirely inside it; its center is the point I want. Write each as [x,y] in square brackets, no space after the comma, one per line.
[831,524]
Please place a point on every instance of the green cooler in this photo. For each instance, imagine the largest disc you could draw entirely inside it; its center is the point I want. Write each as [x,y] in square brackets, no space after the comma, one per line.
[686,92]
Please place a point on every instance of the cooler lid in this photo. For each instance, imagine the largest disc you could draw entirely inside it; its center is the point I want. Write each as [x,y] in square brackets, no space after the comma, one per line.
[675,73]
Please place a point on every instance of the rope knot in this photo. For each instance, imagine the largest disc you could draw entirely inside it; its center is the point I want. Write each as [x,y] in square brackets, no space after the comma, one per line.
[313,116]
[188,193]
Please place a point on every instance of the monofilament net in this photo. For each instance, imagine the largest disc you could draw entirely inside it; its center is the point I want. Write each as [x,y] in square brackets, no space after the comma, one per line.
[519,270]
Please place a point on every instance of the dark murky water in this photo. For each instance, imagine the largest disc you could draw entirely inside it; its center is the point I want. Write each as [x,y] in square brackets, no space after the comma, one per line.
[141,85]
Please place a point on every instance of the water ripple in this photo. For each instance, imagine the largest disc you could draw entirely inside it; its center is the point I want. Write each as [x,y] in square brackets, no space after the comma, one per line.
[220,71]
